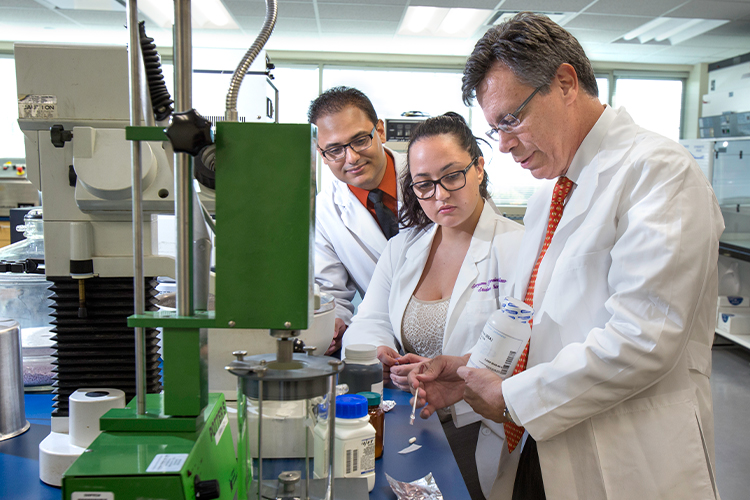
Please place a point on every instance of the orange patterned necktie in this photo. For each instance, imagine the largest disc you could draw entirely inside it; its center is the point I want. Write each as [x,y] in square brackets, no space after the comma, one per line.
[513,433]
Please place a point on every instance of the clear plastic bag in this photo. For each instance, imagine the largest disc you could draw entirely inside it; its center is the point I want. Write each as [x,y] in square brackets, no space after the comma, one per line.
[422,489]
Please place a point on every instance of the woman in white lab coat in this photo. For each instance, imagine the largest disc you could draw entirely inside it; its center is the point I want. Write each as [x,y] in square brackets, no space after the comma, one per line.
[438,280]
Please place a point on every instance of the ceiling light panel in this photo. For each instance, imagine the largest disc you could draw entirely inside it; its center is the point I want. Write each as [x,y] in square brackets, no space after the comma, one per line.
[673,30]
[112,5]
[207,14]
[442,22]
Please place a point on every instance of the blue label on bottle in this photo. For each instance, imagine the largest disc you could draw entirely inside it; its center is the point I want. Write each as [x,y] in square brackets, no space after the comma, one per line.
[735,301]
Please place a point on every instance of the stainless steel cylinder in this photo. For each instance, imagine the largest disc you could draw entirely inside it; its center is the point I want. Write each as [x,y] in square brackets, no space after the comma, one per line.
[12,411]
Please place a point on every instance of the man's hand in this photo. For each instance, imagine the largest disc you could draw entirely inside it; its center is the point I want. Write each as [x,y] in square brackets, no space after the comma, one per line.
[436,383]
[389,358]
[484,392]
[339,327]
[401,369]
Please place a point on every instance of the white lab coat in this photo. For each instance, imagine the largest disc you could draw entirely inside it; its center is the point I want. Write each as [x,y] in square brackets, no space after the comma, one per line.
[616,391]
[348,242]
[485,278]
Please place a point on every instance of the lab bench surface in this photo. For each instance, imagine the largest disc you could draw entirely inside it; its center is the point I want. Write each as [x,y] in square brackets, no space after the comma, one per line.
[19,456]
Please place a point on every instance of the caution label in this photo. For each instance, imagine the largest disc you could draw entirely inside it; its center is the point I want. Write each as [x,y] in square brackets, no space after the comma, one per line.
[37,107]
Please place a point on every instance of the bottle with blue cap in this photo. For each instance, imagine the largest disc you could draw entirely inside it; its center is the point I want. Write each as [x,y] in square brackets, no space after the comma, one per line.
[354,444]
[503,338]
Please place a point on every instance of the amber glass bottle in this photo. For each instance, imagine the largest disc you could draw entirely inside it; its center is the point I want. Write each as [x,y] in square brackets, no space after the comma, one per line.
[377,419]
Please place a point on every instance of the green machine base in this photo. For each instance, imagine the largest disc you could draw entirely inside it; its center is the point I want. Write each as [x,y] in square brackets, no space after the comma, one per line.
[195,457]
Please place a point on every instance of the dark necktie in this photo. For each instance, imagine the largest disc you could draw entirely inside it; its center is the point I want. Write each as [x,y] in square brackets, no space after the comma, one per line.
[386,218]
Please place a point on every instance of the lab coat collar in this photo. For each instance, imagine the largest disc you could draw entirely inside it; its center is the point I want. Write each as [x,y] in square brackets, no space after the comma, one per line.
[356,217]
[599,151]
[480,245]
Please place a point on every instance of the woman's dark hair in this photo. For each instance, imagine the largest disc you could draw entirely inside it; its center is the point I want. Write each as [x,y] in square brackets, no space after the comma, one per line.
[411,213]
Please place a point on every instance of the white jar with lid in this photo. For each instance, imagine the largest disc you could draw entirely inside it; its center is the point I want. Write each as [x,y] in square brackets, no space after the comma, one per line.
[354,444]
[503,338]
[362,370]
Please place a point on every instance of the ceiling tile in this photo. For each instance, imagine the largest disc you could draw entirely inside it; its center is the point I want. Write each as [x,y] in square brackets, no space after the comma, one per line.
[545,5]
[296,24]
[642,7]
[356,13]
[718,42]
[605,22]
[98,17]
[467,4]
[366,27]
[735,28]
[595,36]
[712,9]
[402,3]
[258,8]
[25,4]
[33,17]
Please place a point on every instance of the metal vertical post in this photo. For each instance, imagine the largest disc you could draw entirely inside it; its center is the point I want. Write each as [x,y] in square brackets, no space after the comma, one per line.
[183,186]
[135,151]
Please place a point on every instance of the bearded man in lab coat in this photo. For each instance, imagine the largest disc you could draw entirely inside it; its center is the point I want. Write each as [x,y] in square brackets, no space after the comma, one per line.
[615,397]
[356,213]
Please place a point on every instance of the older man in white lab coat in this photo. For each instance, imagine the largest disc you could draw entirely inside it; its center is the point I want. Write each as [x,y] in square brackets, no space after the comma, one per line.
[620,263]
[357,212]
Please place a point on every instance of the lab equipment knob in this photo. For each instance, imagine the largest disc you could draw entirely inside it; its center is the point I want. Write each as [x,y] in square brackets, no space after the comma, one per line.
[289,480]
[206,490]
[189,132]
[59,135]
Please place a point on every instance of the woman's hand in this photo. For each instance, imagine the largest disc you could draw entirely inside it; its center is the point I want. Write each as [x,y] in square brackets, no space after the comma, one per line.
[436,383]
[389,358]
[400,371]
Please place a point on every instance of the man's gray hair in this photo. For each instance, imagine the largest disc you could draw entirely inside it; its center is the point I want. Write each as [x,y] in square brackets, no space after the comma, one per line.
[533,47]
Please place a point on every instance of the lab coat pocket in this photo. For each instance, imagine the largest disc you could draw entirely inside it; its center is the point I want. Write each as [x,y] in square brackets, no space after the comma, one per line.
[653,448]
[477,313]
[579,288]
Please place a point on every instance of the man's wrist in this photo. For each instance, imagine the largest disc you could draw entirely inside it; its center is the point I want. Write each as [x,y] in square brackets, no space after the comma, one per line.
[507,415]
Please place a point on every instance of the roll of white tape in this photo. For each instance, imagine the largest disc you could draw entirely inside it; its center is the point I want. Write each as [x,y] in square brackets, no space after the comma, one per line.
[86,407]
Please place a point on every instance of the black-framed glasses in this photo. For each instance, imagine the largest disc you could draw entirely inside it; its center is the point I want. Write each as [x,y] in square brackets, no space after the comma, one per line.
[450,182]
[361,143]
[511,120]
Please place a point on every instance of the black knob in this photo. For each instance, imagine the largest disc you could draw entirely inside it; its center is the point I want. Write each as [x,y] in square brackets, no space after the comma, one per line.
[59,135]
[189,132]
[207,490]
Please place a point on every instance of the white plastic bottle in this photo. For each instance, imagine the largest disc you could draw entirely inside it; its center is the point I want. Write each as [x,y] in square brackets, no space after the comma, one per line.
[503,338]
[354,444]
[362,370]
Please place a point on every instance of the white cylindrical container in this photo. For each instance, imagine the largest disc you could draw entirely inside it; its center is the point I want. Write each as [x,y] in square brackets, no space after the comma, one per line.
[503,338]
[362,370]
[86,408]
[320,443]
[354,445]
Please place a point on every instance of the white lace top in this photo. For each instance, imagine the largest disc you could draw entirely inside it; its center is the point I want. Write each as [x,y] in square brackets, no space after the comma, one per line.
[423,326]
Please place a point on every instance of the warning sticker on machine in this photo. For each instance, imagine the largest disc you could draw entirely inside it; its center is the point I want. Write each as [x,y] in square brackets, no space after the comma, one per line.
[92,495]
[167,462]
[41,107]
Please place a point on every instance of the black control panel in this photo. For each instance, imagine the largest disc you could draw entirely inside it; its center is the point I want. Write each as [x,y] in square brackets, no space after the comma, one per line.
[399,129]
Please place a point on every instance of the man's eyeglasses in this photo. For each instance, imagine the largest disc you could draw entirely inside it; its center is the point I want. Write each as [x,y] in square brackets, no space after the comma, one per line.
[361,143]
[450,182]
[510,121]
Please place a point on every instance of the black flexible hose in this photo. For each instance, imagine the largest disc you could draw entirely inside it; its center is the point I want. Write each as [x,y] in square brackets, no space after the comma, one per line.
[161,101]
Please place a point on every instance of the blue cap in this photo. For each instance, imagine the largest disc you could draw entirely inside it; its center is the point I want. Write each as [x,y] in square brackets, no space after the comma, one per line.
[517,310]
[351,406]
